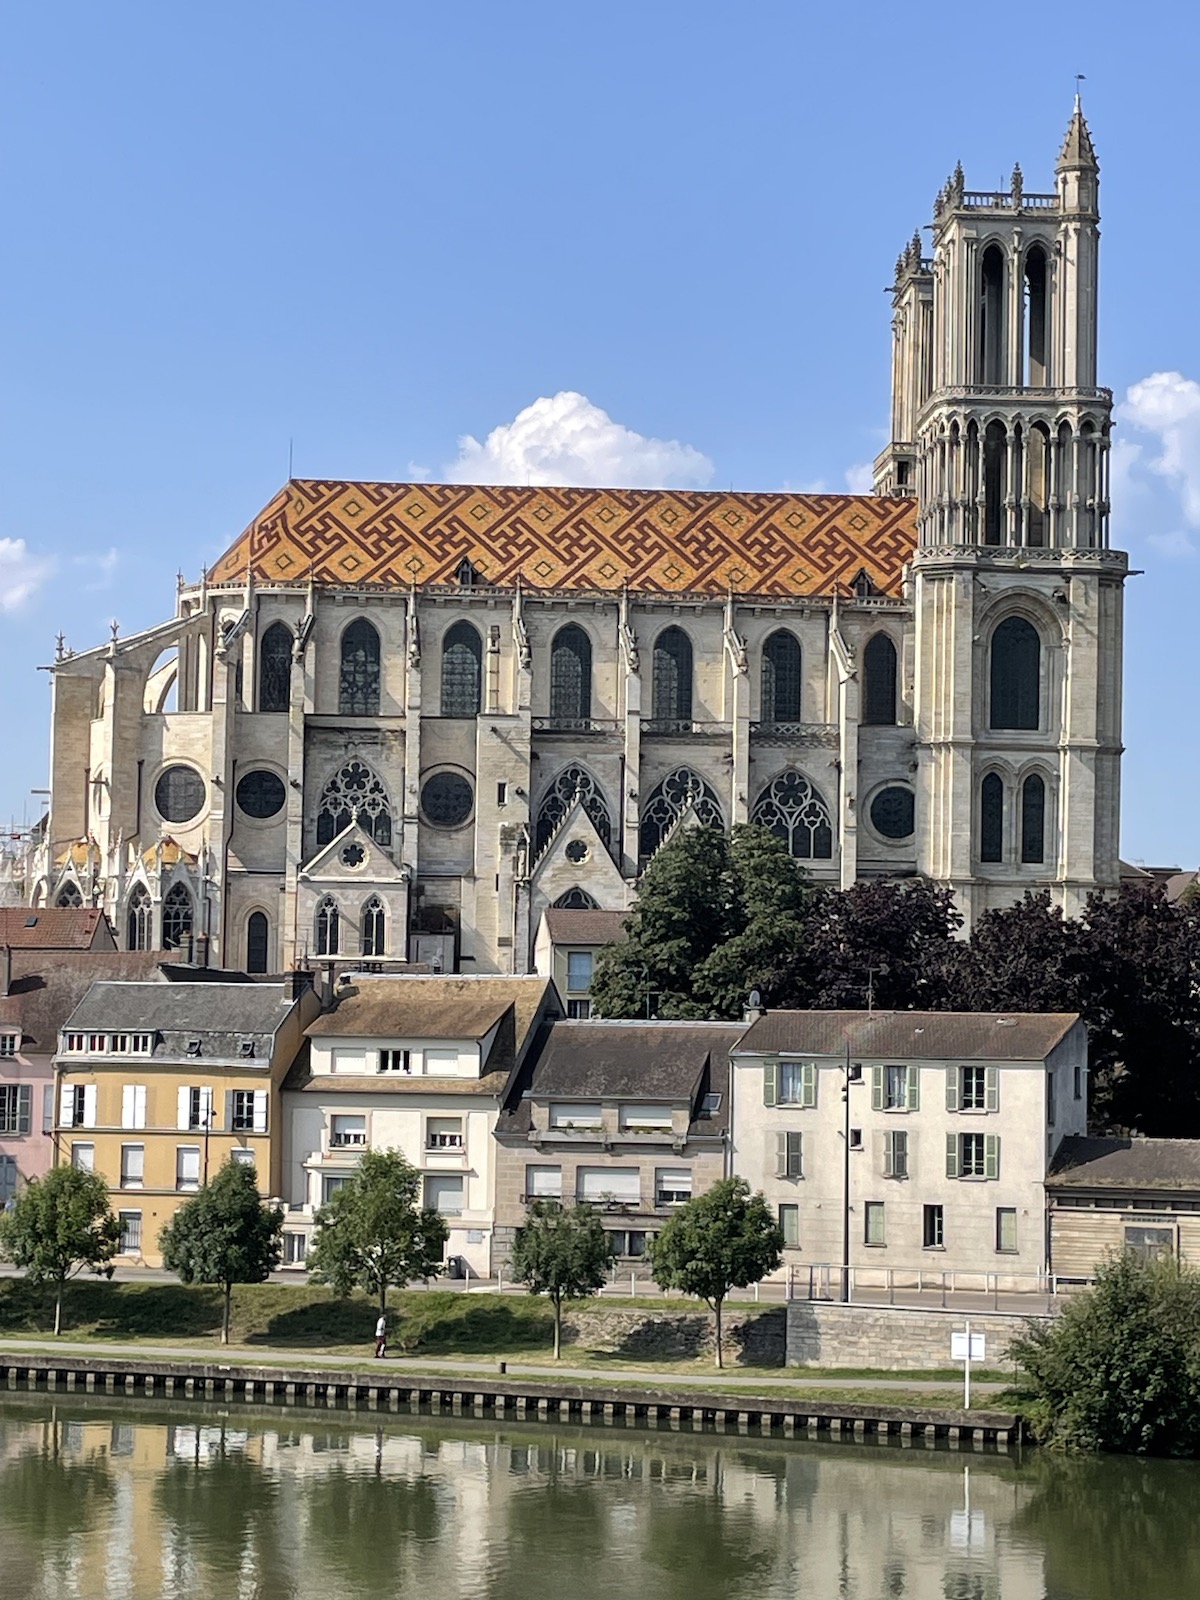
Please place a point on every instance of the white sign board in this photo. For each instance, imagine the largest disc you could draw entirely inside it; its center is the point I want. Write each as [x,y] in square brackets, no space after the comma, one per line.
[959,1350]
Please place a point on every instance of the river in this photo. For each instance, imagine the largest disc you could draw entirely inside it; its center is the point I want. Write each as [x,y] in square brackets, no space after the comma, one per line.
[157,1502]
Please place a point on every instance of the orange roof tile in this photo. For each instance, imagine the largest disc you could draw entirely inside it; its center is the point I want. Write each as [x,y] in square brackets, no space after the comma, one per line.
[51,927]
[659,541]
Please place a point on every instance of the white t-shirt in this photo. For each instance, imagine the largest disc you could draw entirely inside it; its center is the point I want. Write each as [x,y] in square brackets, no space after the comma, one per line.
[381,1327]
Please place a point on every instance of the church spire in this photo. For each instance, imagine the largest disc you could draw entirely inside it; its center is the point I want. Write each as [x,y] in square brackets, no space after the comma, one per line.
[1077,152]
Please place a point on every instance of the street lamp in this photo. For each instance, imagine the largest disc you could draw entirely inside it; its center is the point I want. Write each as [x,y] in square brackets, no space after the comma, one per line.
[851,1073]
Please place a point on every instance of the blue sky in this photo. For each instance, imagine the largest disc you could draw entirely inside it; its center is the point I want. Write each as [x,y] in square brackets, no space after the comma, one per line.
[384,231]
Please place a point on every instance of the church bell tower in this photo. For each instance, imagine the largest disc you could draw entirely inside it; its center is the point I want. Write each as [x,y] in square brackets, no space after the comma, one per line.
[1000,431]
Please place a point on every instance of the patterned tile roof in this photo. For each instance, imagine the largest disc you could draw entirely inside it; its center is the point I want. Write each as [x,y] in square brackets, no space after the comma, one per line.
[660,541]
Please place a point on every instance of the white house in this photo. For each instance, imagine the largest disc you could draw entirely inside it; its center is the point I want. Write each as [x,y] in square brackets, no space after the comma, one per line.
[416,1064]
[908,1140]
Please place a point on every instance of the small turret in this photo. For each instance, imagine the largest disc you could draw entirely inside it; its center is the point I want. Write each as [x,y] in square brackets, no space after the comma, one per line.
[1078,170]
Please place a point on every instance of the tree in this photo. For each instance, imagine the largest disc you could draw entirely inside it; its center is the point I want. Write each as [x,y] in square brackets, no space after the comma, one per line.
[224,1234]
[1119,1369]
[373,1235]
[562,1253]
[61,1225]
[724,1239]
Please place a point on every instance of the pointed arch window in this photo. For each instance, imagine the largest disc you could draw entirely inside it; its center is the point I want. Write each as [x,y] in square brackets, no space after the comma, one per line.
[358,685]
[275,668]
[991,818]
[140,921]
[573,782]
[672,681]
[462,671]
[328,928]
[1015,675]
[70,896]
[258,940]
[177,918]
[571,677]
[794,811]
[355,792]
[991,343]
[374,928]
[879,681]
[576,899]
[781,678]
[1033,820]
[679,791]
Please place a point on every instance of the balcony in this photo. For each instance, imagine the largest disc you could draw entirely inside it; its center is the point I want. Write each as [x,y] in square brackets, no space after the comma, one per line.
[820,735]
[346,1141]
[684,728]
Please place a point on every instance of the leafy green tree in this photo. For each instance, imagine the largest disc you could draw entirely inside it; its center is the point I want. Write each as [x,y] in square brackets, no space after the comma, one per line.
[725,1238]
[1120,1368]
[60,1225]
[563,1253]
[224,1234]
[372,1233]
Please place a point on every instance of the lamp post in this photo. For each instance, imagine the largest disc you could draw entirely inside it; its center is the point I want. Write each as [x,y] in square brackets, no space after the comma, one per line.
[849,1076]
[208,1117]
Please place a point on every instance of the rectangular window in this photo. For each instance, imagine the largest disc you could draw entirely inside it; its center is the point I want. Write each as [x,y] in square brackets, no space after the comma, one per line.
[543,1183]
[16,1107]
[74,1109]
[567,1115]
[579,1010]
[970,1155]
[789,1160]
[873,1222]
[653,1119]
[789,1223]
[133,1165]
[347,1130]
[1006,1230]
[330,1186]
[141,1044]
[75,1042]
[933,1233]
[895,1153]
[974,1089]
[194,1108]
[98,1043]
[83,1156]
[395,1061]
[8,1045]
[895,1088]
[1150,1242]
[672,1186]
[444,1195]
[631,1243]
[241,1115]
[8,1180]
[856,1142]
[241,1157]
[797,1081]
[1078,1082]
[579,971]
[295,1249]
[131,1232]
[187,1166]
[609,1185]
[443,1133]
[133,1105]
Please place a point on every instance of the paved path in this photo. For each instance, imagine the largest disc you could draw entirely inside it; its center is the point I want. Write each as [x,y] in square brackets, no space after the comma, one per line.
[272,1355]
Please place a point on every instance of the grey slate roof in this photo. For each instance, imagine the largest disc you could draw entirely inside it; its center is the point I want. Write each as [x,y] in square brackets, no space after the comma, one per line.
[219,1014]
[1081,1163]
[47,986]
[908,1035]
[567,926]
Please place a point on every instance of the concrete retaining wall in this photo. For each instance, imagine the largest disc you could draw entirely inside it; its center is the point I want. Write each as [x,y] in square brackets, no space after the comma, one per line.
[821,1334]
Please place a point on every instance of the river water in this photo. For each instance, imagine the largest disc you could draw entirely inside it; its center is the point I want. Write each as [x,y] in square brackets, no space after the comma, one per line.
[158,1502]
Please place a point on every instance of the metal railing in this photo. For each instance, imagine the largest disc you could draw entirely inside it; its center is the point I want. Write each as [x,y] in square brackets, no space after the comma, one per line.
[575,724]
[925,1288]
[811,733]
[681,727]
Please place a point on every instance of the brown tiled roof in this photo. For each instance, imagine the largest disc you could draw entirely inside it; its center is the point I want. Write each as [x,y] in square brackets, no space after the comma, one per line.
[658,541]
[48,986]
[52,928]
[585,927]
[304,1081]
[1081,1163]
[909,1035]
[435,1008]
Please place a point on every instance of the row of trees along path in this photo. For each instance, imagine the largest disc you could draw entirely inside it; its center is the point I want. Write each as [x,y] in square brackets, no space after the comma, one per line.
[719,915]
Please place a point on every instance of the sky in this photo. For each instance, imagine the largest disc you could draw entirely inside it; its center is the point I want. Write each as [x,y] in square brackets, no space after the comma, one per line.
[642,242]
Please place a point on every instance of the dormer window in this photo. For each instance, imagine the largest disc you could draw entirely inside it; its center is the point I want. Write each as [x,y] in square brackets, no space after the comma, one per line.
[8,1044]
[245,1048]
[710,1105]
[193,1047]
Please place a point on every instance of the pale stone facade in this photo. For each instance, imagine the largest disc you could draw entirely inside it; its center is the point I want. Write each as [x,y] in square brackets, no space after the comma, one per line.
[403,721]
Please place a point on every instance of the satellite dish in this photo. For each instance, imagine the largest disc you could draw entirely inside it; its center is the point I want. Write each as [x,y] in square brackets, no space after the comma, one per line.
[755,1000]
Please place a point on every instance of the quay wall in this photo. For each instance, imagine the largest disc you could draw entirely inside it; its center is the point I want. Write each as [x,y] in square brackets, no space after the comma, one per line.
[822,1333]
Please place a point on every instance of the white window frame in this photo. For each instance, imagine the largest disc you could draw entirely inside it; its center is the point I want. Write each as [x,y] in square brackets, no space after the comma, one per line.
[129,1181]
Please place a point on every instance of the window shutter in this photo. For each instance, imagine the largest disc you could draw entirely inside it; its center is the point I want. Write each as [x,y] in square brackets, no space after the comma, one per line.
[770,1079]
[952,1081]
[876,1088]
[89,1106]
[993,1088]
[24,1107]
[128,1114]
[260,1111]
[183,1116]
[795,1155]
[66,1104]
[808,1084]
[912,1086]
[952,1155]
[889,1146]
[781,1155]
[991,1156]
[48,1108]
[139,1105]
[229,1111]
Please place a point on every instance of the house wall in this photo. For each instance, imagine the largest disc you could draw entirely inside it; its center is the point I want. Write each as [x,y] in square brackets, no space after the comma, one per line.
[33,1152]
[1086,1228]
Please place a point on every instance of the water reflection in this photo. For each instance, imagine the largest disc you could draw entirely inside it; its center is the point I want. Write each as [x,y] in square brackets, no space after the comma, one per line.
[102,1500]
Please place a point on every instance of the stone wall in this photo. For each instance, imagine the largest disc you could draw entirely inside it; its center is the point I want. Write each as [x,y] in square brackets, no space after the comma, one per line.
[752,1338]
[823,1334]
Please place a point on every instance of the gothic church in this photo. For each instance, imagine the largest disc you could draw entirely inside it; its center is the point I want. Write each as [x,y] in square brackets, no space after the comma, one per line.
[399,721]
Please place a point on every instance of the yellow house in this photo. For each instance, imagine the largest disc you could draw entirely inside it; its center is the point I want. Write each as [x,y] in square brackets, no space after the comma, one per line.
[157,1084]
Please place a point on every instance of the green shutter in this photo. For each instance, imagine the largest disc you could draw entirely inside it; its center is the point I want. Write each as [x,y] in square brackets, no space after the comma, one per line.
[876,1088]
[912,1087]
[770,1077]
[24,1107]
[795,1159]
[993,1089]
[889,1161]
[808,1084]
[781,1155]
[952,1082]
[952,1155]
[991,1156]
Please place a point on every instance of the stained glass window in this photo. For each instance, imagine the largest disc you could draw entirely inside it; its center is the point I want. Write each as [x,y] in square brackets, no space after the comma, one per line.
[141,915]
[179,794]
[358,685]
[355,792]
[571,675]
[328,928]
[1016,674]
[177,918]
[781,678]
[991,818]
[795,812]
[672,685]
[258,931]
[879,681]
[1033,820]
[462,660]
[374,928]
[678,791]
[572,781]
[275,668]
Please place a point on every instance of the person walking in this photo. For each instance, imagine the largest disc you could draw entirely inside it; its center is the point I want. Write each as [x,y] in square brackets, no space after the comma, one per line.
[381,1337]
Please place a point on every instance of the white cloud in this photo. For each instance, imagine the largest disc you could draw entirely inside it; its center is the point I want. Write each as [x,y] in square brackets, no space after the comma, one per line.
[859,478]
[565,439]
[102,567]
[1166,405]
[21,573]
